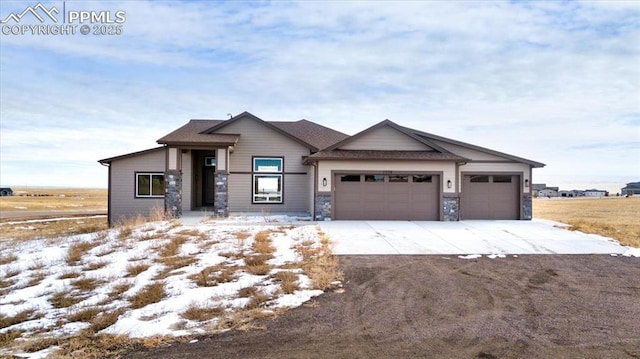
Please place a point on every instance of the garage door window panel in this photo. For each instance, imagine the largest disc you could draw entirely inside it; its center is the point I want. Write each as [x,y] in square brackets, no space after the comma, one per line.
[501,179]
[374,178]
[422,179]
[350,178]
[398,179]
[479,179]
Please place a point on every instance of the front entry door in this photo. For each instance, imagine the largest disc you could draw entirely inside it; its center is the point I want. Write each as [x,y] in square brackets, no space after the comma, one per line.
[208,185]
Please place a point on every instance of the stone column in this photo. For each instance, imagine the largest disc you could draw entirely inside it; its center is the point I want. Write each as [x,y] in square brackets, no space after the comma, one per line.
[450,207]
[323,207]
[173,193]
[221,201]
[527,206]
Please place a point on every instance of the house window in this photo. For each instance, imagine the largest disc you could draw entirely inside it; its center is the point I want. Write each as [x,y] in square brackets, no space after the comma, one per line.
[149,185]
[267,180]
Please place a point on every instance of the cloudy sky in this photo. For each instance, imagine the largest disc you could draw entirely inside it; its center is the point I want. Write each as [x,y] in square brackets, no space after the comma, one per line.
[553,81]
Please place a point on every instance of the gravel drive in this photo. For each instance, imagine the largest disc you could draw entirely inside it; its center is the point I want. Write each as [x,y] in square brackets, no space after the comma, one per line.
[535,306]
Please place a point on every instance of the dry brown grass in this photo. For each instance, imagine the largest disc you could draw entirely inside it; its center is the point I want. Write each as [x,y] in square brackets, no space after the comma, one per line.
[288,281]
[257,264]
[20,317]
[51,229]
[150,294]
[201,313]
[262,243]
[64,299]
[86,284]
[8,259]
[614,217]
[36,278]
[69,275]
[95,265]
[84,314]
[134,269]
[77,250]
[105,320]
[256,300]
[172,247]
[214,275]
[9,336]
[319,263]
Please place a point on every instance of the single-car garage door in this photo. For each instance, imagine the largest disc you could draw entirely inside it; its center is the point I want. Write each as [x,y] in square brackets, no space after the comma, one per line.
[491,197]
[377,196]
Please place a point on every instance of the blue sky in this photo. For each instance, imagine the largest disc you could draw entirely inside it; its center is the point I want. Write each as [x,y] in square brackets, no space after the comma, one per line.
[554,81]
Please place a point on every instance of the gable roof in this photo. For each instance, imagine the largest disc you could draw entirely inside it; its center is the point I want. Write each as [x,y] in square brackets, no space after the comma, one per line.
[439,153]
[432,137]
[307,133]
[393,125]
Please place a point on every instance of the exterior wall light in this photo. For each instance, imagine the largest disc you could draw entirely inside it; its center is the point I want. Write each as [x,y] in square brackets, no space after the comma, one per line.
[526,183]
[448,183]
[324,182]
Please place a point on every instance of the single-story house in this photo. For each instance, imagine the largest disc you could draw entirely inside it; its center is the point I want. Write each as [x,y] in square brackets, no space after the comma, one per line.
[248,165]
[6,191]
[631,189]
[595,193]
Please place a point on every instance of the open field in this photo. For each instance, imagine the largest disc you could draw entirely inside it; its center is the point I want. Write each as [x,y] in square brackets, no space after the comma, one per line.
[614,217]
[55,199]
[25,215]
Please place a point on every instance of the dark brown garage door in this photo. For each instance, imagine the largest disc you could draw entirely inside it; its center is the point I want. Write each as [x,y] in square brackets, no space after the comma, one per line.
[491,197]
[378,196]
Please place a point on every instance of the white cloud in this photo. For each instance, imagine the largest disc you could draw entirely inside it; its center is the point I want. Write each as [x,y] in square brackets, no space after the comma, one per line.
[564,74]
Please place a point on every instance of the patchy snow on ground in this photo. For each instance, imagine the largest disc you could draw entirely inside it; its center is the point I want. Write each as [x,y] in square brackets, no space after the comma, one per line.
[41,281]
[632,252]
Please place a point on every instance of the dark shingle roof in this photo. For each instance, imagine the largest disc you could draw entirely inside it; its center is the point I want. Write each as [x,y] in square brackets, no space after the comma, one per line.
[191,133]
[195,132]
[310,132]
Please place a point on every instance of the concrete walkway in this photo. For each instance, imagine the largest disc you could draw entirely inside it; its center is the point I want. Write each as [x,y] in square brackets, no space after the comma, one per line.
[464,237]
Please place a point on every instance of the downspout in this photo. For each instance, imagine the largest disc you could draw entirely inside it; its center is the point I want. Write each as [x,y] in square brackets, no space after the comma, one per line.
[108,165]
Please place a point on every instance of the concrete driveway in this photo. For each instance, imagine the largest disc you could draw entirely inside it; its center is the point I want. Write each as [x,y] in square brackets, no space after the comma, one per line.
[463,238]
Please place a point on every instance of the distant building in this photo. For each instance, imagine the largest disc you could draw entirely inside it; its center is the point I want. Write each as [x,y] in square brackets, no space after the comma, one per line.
[6,191]
[572,193]
[595,193]
[630,189]
[541,190]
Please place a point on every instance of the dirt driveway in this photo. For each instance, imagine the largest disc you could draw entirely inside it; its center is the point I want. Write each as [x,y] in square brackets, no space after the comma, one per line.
[536,306]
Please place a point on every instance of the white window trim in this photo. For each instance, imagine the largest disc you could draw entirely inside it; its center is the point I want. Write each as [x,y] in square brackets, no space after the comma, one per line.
[270,198]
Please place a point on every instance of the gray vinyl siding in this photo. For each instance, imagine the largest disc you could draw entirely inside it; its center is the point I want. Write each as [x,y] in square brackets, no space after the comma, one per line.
[257,139]
[385,138]
[124,203]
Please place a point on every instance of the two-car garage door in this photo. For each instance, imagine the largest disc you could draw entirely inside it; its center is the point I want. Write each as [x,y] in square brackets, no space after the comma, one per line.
[376,196]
